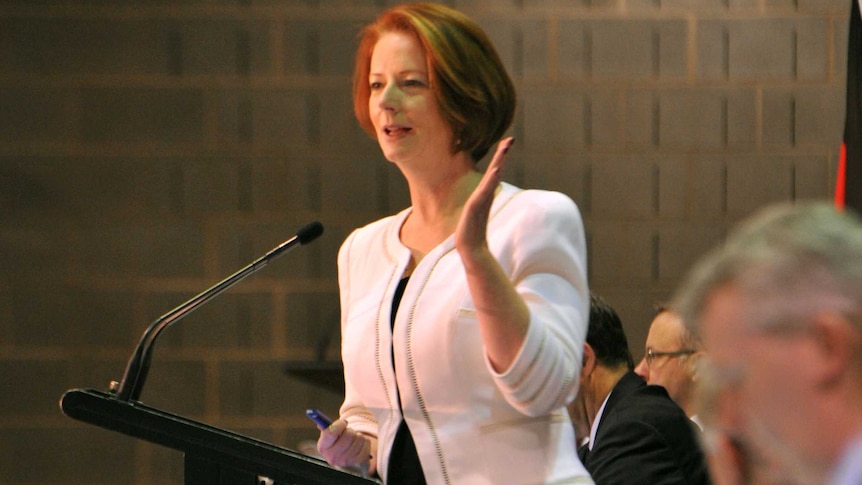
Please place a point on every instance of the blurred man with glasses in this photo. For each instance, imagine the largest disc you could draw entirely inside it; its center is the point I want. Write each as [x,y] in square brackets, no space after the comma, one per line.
[670,359]
[636,434]
[778,307]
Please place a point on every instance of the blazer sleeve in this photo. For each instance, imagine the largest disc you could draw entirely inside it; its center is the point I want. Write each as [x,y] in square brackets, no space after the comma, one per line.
[545,254]
[352,408]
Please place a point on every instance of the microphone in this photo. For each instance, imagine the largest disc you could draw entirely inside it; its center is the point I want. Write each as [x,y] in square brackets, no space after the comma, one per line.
[130,387]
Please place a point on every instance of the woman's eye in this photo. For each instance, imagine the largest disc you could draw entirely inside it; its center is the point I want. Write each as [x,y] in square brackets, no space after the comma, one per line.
[375,85]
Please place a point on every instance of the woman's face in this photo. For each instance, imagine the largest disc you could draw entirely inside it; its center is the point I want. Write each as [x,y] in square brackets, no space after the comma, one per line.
[403,109]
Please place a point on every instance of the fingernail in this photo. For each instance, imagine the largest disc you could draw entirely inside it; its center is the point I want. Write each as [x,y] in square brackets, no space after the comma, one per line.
[509,145]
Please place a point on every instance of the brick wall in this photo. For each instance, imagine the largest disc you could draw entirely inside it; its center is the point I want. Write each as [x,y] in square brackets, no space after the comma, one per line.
[150,149]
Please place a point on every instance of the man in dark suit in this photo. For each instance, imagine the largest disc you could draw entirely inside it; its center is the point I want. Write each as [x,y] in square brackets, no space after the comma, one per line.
[638,434]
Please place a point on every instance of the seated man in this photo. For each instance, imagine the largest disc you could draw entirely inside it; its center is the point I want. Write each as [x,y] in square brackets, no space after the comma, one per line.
[670,359]
[638,434]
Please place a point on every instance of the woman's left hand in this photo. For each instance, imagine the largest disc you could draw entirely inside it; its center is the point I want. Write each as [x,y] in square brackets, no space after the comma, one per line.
[502,314]
[470,235]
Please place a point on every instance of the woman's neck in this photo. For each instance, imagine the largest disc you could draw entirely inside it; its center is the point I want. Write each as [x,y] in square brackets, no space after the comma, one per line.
[436,207]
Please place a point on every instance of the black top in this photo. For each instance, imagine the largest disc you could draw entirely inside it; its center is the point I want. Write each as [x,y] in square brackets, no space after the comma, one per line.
[404,465]
[645,438]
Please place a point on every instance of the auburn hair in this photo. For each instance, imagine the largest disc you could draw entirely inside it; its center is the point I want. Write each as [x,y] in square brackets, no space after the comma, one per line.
[470,83]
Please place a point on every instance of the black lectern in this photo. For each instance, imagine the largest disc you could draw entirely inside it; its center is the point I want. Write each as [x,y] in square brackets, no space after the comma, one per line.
[213,456]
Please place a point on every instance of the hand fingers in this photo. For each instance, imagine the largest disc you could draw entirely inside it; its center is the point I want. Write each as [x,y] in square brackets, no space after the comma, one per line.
[502,150]
[484,193]
[358,451]
[329,435]
[343,447]
[495,168]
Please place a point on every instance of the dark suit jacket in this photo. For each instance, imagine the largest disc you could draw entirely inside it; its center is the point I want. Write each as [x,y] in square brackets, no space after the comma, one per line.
[645,438]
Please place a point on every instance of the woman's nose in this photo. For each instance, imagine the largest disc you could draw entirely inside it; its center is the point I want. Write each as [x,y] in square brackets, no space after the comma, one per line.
[390,97]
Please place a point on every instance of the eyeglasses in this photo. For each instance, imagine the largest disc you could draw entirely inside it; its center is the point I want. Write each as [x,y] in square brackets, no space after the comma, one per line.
[651,354]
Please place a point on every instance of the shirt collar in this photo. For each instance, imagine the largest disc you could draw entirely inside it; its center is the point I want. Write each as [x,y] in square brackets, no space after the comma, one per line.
[848,471]
[595,427]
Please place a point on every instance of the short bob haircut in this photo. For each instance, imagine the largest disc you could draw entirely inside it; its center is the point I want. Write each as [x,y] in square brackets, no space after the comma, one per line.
[471,85]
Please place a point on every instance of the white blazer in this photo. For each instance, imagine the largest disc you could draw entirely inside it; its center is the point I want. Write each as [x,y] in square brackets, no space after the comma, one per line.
[470,424]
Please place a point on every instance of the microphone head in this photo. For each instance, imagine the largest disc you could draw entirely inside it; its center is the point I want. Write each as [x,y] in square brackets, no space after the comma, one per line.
[309,232]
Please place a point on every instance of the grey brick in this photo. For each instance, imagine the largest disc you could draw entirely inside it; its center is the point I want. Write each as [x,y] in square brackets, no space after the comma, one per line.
[622,48]
[753,182]
[74,316]
[324,47]
[91,187]
[820,116]
[509,40]
[627,49]
[712,43]
[534,53]
[813,178]
[46,455]
[812,49]
[554,122]
[218,46]
[28,248]
[813,5]
[674,182]
[802,117]
[313,322]
[707,194]
[741,118]
[283,119]
[46,45]
[338,130]
[176,385]
[151,248]
[285,184]
[263,388]
[681,246]
[351,183]
[624,187]
[215,185]
[139,115]
[240,243]
[604,115]
[622,255]
[34,114]
[705,118]
[642,118]
[166,465]
[574,49]
[35,385]
[693,119]
[779,118]
[600,4]
[762,48]
[237,319]
[567,174]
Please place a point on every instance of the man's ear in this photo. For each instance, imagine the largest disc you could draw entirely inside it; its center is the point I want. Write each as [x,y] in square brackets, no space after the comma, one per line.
[694,364]
[837,347]
[589,364]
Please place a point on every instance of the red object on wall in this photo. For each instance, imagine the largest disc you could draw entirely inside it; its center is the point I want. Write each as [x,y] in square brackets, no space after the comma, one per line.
[848,184]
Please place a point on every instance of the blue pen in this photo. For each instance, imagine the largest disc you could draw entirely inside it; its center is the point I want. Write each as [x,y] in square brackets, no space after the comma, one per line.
[318,417]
